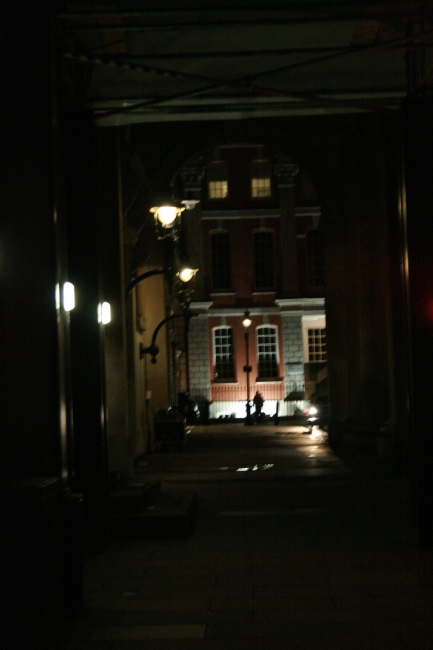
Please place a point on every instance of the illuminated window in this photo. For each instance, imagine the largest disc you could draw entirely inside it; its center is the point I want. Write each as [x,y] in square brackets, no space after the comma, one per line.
[218,189]
[218,179]
[317,345]
[224,362]
[260,173]
[267,352]
[264,259]
[220,260]
[260,187]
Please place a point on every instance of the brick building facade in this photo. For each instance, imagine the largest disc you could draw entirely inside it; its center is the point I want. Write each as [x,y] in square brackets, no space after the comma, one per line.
[255,236]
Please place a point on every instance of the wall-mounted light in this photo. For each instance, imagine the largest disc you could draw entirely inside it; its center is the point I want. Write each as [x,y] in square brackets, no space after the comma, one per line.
[166,214]
[68,296]
[104,313]
[190,203]
[186,274]
[167,219]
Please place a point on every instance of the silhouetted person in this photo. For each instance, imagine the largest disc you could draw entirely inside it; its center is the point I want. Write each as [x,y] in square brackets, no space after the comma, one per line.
[204,410]
[258,403]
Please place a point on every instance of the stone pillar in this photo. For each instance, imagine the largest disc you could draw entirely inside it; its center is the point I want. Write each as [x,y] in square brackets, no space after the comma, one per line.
[34,393]
[87,351]
[120,435]
[294,379]
[416,208]
[199,355]
[286,174]
[359,216]
[292,338]
[192,178]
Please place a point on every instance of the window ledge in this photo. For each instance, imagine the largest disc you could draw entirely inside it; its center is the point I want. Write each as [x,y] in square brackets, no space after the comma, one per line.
[222,382]
[270,380]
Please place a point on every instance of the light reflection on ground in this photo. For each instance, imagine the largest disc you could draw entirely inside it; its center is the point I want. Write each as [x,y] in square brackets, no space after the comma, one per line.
[249,452]
[255,468]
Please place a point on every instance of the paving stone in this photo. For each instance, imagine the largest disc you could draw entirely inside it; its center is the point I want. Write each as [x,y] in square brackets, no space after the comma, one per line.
[347,579]
[137,604]
[120,584]
[143,632]
[240,591]
[170,579]
[243,581]
[242,617]
[302,591]
[178,591]
[166,644]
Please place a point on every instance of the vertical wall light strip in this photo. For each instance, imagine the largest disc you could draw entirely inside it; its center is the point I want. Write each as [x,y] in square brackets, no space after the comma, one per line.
[58,304]
[104,313]
[68,296]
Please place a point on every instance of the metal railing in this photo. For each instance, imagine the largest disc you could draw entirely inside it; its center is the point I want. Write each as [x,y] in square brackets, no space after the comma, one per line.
[229,401]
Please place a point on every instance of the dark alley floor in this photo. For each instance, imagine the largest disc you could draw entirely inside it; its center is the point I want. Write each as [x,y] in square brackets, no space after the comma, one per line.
[291,548]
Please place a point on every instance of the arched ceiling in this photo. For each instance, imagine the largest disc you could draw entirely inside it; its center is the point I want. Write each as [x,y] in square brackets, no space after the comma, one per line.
[134,61]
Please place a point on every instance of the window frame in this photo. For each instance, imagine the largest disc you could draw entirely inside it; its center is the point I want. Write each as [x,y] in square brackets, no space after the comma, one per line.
[313,323]
[232,359]
[260,265]
[259,187]
[318,340]
[214,194]
[217,172]
[260,170]
[276,375]
[226,259]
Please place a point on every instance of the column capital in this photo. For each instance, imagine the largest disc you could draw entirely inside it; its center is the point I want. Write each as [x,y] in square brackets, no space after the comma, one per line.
[192,177]
[286,173]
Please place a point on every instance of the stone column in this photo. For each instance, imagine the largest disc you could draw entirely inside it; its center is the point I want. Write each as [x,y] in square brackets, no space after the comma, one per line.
[192,178]
[199,356]
[291,325]
[286,174]
[87,348]
[416,208]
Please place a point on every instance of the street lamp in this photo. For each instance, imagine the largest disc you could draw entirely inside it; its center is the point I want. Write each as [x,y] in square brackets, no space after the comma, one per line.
[247,368]
[185,275]
[167,219]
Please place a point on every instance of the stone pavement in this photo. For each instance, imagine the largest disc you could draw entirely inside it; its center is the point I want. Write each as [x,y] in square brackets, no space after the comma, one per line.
[291,549]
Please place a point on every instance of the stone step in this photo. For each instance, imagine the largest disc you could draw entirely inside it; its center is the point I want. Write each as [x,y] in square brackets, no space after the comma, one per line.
[167,515]
[134,497]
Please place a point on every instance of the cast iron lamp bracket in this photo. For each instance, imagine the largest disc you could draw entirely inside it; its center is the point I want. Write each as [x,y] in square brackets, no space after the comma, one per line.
[141,277]
[153,349]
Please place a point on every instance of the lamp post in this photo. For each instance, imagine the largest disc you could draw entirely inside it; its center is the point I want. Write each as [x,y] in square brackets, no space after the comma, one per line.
[247,368]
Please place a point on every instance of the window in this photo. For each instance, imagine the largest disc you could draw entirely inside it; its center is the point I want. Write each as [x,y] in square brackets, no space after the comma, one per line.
[316,345]
[264,259]
[267,352]
[314,338]
[217,177]
[218,189]
[220,260]
[224,362]
[260,187]
[315,259]
[260,173]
